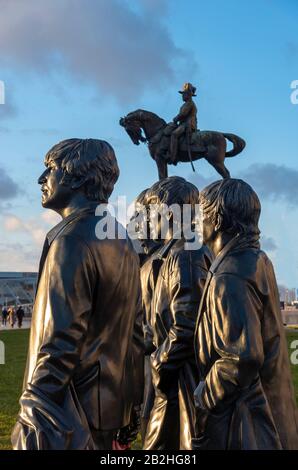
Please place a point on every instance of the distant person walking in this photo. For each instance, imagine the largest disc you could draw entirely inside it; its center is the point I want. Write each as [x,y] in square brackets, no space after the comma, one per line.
[11,316]
[4,316]
[20,315]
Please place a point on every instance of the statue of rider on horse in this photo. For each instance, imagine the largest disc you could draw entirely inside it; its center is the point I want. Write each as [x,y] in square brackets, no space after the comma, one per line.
[180,140]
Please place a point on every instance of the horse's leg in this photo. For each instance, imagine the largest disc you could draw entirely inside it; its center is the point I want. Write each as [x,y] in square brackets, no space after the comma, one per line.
[162,167]
[221,169]
[216,158]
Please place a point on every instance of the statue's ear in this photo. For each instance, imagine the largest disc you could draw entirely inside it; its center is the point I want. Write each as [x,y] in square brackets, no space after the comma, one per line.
[218,223]
[78,181]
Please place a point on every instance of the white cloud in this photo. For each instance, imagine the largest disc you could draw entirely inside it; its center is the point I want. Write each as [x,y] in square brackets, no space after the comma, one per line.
[18,257]
[51,217]
[273,182]
[36,228]
[13,223]
[115,45]
[22,240]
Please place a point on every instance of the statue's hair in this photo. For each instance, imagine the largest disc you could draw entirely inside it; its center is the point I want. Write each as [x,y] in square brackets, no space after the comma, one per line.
[139,203]
[142,197]
[91,158]
[173,190]
[235,203]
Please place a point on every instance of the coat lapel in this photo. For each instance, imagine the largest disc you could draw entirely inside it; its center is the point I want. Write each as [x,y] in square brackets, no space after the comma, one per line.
[202,306]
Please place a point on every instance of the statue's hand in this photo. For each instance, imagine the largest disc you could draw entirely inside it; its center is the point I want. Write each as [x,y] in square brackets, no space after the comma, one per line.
[198,396]
[129,433]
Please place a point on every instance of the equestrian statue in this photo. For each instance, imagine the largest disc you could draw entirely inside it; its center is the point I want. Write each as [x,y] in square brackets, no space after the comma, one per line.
[180,140]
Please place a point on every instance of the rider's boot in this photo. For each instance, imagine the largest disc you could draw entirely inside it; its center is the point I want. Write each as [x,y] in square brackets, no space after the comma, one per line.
[173,150]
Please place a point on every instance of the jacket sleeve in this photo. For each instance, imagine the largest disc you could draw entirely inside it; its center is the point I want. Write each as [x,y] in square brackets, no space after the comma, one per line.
[67,290]
[138,348]
[184,293]
[235,313]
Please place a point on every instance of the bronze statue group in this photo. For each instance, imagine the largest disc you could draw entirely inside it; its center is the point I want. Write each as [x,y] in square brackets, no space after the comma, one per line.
[185,344]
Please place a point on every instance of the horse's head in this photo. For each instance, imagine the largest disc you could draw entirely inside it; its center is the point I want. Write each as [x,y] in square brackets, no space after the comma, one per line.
[140,121]
[133,124]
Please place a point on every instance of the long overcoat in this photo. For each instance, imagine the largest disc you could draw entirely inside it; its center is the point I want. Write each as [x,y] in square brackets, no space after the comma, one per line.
[247,391]
[179,286]
[85,362]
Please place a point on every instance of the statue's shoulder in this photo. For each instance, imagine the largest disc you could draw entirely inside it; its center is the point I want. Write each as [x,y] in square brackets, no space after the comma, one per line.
[250,264]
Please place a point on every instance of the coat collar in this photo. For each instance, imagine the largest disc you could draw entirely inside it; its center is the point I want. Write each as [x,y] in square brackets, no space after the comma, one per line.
[239,242]
[164,250]
[54,232]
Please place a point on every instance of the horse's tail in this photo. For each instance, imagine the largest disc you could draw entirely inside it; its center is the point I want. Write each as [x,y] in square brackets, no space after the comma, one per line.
[238,144]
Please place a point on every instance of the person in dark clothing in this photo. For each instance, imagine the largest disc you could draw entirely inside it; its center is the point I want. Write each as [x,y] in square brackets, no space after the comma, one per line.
[4,316]
[20,315]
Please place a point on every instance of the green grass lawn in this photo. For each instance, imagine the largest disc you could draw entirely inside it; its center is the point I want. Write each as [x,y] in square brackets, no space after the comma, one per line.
[11,376]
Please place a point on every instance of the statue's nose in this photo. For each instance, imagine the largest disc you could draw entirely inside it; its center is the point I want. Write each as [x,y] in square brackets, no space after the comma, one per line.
[42,178]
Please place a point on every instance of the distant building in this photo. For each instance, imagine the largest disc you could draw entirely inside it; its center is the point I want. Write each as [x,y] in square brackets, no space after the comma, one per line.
[286,295]
[17,288]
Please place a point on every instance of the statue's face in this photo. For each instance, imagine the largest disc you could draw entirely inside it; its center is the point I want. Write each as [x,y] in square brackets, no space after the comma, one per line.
[55,195]
[208,230]
[140,222]
[159,222]
[143,225]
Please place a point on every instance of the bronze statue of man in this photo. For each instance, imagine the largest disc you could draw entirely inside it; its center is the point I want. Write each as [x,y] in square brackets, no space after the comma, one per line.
[86,336]
[180,276]
[245,396]
[186,120]
[150,264]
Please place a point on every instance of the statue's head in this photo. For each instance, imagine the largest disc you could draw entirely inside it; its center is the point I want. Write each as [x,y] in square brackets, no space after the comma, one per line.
[85,166]
[230,206]
[171,198]
[188,91]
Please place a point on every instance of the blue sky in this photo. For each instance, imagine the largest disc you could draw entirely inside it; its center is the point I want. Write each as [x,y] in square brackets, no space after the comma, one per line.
[71,68]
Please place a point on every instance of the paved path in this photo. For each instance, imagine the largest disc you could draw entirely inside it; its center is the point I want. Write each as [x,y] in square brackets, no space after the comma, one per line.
[290,317]
[26,325]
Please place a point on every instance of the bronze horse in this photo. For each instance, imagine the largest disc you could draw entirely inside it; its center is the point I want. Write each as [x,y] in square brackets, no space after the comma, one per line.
[144,126]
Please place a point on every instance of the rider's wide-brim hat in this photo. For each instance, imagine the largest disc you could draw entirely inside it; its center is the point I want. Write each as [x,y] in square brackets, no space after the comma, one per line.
[188,87]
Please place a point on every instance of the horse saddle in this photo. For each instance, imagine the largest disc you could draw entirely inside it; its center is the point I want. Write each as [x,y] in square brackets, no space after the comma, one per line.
[196,141]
